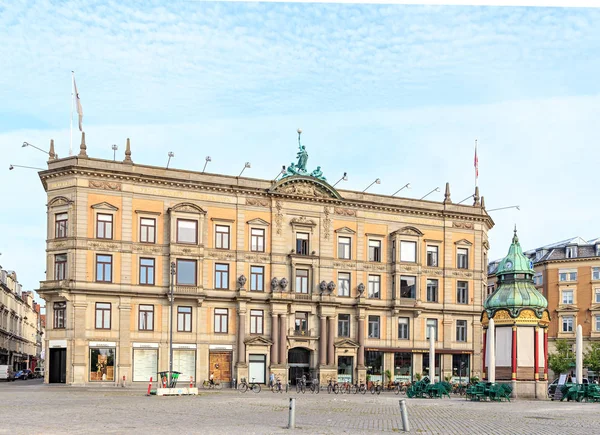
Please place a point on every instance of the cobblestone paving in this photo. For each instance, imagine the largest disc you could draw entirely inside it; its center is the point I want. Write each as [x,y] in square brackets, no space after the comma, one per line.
[32,408]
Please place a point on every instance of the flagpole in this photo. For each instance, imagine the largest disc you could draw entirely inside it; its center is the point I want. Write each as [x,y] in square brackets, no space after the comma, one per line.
[71,127]
[476,163]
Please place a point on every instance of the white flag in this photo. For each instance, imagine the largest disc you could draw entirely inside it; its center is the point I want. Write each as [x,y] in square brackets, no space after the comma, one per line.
[79,108]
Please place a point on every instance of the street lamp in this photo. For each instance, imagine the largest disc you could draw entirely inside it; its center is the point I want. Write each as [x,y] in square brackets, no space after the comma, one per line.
[171,154]
[208,159]
[115,148]
[406,186]
[504,208]
[246,165]
[27,144]
[377,181]
[280,173]
[437,189]
[468,197]
[344,177]
[11,167]
[171,326]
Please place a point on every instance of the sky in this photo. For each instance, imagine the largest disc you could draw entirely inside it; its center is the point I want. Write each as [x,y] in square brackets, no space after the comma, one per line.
[396,92]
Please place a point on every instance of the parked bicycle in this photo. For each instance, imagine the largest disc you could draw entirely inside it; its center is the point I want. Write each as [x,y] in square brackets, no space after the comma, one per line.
[243,386]
[332,386]
[376,388]
[208,385]
[278,387]
[400,388]
[361,387]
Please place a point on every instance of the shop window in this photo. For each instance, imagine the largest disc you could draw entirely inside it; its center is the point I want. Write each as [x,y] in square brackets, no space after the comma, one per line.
[402,366]
[344,372]
[460,368]
[374,364]
[102,364]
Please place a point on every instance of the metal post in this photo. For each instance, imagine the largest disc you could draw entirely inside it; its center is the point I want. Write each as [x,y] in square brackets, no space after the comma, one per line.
[292,416]
[404,414]
[171,326]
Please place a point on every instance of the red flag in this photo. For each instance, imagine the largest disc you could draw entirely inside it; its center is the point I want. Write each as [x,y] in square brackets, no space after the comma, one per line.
[476,162]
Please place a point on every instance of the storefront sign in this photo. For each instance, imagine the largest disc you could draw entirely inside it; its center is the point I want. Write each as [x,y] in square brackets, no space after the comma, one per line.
[57,343]
[146,345]
[220,347]
[183,346]
[103,344]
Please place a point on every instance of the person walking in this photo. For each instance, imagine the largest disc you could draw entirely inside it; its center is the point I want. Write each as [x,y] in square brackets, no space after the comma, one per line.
[272,380]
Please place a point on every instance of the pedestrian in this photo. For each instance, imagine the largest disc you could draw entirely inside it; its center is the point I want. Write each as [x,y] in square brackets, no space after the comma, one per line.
[272,379]
[212,378]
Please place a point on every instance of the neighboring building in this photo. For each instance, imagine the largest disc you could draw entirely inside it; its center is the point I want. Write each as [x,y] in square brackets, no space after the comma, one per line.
[289,276]
[20,329]
[567,273]
[519,351]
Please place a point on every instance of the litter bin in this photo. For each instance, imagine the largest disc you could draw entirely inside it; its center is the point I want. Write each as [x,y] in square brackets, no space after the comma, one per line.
[164,378]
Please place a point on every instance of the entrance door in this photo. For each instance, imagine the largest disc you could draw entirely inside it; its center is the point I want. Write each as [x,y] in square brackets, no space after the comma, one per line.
[220,366]
[58,366]
[299,362]
[257,368]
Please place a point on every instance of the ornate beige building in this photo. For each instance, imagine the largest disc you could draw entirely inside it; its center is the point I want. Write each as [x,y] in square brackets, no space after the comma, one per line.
[289,276]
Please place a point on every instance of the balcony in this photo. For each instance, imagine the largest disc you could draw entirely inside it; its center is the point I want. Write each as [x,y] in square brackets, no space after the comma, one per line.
[55,284]
[298,333]
[187,290]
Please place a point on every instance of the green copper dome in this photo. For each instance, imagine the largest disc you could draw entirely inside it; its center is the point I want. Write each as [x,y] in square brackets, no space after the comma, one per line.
[515,285]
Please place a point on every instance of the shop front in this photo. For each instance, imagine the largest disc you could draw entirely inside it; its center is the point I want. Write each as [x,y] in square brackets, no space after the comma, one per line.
[374,364]
[219,362]
[345,368]
[184,361]
[145,361]
[102,359]
[403,366]
[57,361]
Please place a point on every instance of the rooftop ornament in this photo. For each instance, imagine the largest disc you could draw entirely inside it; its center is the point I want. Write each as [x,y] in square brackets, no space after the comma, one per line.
[299,168]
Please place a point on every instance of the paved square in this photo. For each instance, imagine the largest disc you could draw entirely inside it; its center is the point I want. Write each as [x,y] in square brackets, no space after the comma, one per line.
[33,408]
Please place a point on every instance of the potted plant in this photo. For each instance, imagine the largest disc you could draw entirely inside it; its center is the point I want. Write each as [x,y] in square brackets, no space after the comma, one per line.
[474,380]
[418,376]
[388,375]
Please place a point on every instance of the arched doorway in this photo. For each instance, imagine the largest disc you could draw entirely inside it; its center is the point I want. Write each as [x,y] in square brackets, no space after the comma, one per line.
[299,363]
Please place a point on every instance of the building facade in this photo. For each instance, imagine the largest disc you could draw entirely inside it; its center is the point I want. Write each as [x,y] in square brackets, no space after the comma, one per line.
[20,324]
[567,273]
[289,277]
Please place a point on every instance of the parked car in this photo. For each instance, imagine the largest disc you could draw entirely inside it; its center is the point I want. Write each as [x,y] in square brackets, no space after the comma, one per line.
[554,384]
[6,373]
[24,374]
[38,372]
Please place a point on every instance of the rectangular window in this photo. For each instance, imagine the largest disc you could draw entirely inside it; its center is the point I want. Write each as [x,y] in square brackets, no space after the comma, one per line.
[60,310]
[301,323]
[462,292]
[462,258]
[538,279]
[343,284]
[302,243]
[187,231]
[60,267]
[146,318]
[60,225]
[344,245]
[567,324]
[461,330]
[103,315]
[256,321]
[104,226]
[147,230]
[408,251]
[394,259]
[222,276]
[408,287]
[147,271]
[373,326]
[222,236]
[597,323]
[432,256]
[432,290]
[343,325]
[221,320]
[301,281]
[432,323]
[375,250]
[567,275]
[257,278]
[596,273]
[102,364]
[597,295]
[257,240]
[403,328]
[571,251]
[567,297]
[103,268]
[184,319]
[186,272]
[374,286]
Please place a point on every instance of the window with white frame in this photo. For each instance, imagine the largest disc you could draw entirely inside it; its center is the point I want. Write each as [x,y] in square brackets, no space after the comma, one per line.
[343,284]
[462,292]
[462,258]
[567,275]
[596,273]
[344,245]
[461,330]
[538,278]
[567,324]
[432,323]
[374,250]
[408,251]
[343,325]
[187,231]
[432,256]
[597,323]
[375,286]
[432,290]
[597,296]
[374,327]
[403,328]
[567,297]
[571,252]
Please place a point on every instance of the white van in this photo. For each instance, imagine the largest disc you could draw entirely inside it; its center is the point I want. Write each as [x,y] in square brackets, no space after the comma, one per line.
[6,373]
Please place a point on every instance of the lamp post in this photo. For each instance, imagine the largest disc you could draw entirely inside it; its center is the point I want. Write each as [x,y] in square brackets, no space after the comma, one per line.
[246,165]
[344,177]
[11,167]
[504,208]
[406,186]
[468,197]
[377,181]
[171,326]
[171,154]
[208,159]
[27,144]
[437,189]
[115,148]
[280,173]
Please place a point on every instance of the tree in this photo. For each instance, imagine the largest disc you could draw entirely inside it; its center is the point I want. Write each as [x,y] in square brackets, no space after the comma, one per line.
[592,357]
[563,359]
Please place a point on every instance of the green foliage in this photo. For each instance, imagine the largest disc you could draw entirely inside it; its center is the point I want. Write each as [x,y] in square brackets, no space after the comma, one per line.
[474,379]
[561,360]
[418,376]
[591,358]
[388,374]
[368,378]
[447,378]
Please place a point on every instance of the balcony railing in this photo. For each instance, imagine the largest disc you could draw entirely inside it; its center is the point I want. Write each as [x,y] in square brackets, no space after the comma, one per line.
[301,332]
[302,296]
[188,290]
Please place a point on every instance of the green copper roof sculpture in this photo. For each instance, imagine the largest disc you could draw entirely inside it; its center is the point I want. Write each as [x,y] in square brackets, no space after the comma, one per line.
[516,290]
[300,167]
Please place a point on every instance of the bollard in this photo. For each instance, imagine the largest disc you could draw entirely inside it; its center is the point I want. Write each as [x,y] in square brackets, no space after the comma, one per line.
[292,416]
[191,382]
[123,384]
[405,425]
[149,386]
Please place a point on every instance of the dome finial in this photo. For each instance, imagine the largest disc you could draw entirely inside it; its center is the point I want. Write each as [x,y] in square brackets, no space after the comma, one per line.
[515,237]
